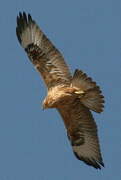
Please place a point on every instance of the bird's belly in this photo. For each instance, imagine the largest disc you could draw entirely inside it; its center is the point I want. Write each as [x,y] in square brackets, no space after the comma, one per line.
[66,101]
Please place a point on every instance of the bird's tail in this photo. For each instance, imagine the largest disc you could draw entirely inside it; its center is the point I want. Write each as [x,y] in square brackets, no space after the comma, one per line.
[88,92]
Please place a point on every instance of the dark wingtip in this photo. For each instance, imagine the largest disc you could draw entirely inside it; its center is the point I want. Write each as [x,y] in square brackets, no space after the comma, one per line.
[20,14]
[90,162]
[102,164]
[18,35]
[22,22]
[29,18]
[19,26]
[25,17]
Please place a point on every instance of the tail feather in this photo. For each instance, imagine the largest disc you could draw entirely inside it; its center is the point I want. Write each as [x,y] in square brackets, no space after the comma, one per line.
[88,92]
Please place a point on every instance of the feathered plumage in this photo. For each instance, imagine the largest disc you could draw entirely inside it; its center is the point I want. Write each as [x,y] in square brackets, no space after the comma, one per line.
[73,96]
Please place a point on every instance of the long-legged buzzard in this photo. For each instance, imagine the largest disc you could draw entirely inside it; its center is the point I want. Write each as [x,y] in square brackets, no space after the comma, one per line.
[73,96]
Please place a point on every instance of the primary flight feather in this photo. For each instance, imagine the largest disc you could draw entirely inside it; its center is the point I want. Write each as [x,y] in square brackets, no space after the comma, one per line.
[73,96]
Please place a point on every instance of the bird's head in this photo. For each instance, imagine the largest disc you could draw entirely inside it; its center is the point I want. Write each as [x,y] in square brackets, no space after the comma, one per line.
[48,103]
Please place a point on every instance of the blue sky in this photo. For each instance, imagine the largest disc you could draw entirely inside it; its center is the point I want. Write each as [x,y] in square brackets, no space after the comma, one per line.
[33,142]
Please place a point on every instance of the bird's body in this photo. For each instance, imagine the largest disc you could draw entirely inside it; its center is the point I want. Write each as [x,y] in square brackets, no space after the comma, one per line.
[59,96]
[73,96]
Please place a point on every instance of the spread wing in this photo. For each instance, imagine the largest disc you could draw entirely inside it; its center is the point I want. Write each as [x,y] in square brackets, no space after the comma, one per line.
[43,54]
[82,133]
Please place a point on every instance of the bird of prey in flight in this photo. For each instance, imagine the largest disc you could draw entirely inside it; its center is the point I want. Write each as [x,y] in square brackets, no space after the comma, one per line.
[74,96]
